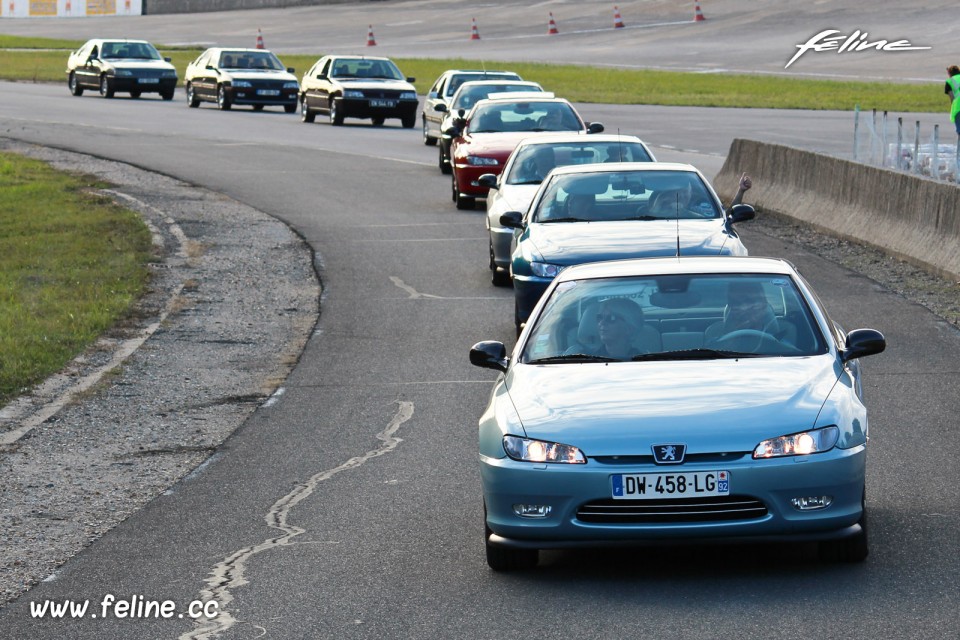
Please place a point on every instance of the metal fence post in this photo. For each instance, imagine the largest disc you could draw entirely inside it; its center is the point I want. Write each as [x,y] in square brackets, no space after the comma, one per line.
[935,168]
[873,138]
[916,148]
[883,139]
[899,164]
[856,126]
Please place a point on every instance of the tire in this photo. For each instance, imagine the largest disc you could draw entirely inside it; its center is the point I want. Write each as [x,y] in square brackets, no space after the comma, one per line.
[223,100]
[445,167]
[258,107]
[135,94]
[427,139]
[336,118]
[167,95]
[305,114]
[106,87]
[289,108]
[516,317]
[499,277]
[848,550]
[463,202]
[192,100]
[408,122]
[505,559]
[73,85]
[378,122]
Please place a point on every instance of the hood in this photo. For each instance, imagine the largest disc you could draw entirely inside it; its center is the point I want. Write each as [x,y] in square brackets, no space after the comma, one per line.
[378,84]
[567,243]
[517,197]
[711,406]
[140,63]
[500,142]
[260,74]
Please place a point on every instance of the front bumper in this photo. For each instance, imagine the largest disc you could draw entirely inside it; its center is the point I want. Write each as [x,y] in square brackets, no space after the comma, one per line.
[246,95]
[528,289]
[363,108]
[143,85]
[566,488]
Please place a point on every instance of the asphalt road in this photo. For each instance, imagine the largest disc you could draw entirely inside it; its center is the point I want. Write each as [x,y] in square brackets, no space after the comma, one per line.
[371,451]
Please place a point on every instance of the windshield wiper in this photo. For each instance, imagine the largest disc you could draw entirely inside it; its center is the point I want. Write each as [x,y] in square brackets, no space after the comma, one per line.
[563,220]
[644,218]
[527,182]
[573,357]
[694,354]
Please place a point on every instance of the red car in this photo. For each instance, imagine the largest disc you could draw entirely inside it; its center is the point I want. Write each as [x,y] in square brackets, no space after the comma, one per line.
[488,134]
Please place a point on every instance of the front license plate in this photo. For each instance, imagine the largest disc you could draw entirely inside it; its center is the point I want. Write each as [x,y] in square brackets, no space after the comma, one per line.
[653,486]
[268,92]
[383,103]
[149,80]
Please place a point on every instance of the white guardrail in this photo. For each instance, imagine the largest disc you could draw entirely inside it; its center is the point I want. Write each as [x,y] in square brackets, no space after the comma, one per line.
[881,142]
[69,8]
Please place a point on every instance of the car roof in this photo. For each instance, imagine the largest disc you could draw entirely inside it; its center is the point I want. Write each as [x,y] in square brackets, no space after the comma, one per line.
[540,97]
[241,49]
[677,266]
[487,83]
[339,56]
[453,72]
[623,166]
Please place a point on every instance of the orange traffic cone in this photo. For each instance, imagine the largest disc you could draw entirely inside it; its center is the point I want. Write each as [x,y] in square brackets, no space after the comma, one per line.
[259,39]
[370,41]
[474,34]
[697,14]
[552,30]
[617,20]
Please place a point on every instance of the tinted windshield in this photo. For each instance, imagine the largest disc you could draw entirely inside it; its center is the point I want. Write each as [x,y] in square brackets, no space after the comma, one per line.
[534,161]
[627,195]
[129,51]
[363,68]
[468,95]
[524,116]
[264,60]
[674,317]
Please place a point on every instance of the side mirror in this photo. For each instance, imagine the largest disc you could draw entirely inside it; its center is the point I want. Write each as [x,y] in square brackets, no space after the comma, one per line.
[489,354]
[453,132]
[461,112]
[512,220]
[411,80]
[595,127]
[290,70]
[741,213]
[440,107]
[168,59]
[863,342]
[488,180]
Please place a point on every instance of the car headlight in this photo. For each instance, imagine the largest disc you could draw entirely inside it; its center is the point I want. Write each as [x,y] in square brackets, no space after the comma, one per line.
[408,95]
[242,83]
[352,93]
[481,161]
[545,269]
[168,74]
[291,85]
[527,450]
[798,444]
[123,73]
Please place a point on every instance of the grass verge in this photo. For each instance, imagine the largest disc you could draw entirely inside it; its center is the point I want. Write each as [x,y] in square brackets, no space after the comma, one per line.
[71,265]
[40,60]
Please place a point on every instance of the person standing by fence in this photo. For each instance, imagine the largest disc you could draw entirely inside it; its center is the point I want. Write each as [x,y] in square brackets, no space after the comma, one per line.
[952,89]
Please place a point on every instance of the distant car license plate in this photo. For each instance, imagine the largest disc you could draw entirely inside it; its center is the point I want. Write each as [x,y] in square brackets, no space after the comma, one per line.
[383,103]
[149,80]
[653,486]
[268,92]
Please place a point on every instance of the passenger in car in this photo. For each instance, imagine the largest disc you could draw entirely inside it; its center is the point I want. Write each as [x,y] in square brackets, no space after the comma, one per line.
[536,167]
[747,309]
[615,329]
[581,206]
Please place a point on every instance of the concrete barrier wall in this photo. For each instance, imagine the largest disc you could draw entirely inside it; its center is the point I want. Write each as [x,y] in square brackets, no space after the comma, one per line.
[914,218]
[156,7]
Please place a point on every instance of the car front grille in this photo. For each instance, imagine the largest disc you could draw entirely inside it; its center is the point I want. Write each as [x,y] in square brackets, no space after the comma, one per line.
[717,509]
[381,94]
[267,84]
